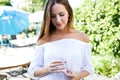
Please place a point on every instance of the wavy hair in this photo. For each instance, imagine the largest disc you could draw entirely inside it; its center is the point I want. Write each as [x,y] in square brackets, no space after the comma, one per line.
[47,27]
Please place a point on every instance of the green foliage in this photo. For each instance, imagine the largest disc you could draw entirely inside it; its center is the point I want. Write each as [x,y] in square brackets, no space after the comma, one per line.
[100,19]
[34,5]
[38,4]
[5,2]
[107,65]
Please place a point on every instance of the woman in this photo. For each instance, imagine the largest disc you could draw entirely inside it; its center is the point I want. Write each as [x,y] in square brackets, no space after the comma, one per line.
[62,53]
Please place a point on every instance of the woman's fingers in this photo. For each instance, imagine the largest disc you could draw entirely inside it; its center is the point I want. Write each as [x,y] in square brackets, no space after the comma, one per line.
[52,69]
[68,73]
[56,66]
[72,75]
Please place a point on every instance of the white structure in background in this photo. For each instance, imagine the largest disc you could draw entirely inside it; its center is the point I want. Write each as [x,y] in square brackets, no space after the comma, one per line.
[76,3]
[22,3]
[19,3]
[36,17]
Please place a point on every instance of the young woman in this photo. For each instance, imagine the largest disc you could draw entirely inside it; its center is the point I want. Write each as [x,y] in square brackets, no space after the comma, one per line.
[62,53]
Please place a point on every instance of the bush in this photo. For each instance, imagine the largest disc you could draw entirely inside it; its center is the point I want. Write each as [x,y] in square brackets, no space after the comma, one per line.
[5,2]
[107,65]
[100,19]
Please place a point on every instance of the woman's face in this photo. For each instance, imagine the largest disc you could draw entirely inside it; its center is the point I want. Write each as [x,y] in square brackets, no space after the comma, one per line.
[59,16]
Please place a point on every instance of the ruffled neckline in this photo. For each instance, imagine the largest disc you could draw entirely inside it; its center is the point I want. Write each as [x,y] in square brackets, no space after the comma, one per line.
[66,39]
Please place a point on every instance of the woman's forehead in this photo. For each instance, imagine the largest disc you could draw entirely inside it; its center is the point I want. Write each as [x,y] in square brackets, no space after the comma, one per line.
[58,8]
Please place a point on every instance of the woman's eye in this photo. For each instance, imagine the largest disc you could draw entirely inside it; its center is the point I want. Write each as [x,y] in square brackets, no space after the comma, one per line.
[62,14]
[53,16]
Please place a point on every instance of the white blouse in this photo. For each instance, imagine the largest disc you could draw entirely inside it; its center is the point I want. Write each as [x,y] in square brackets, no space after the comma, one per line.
[76,53]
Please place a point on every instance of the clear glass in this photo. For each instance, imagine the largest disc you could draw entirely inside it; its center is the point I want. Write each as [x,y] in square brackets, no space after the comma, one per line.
[63,60]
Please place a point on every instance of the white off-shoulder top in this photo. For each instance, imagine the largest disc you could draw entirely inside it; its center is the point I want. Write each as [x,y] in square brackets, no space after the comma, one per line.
[76,53]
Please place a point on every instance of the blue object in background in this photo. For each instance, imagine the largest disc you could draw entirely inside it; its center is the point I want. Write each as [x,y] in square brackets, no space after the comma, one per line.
[12,20]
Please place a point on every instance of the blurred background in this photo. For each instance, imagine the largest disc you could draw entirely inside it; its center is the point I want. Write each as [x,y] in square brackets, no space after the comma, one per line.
[100,19]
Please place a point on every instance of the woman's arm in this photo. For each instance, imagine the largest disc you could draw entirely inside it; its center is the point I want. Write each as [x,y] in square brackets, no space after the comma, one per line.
[87,63]
[52,67]
[41,72]
[37,61]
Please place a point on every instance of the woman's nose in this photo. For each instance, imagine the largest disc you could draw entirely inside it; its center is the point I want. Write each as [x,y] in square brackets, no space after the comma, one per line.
[58,19]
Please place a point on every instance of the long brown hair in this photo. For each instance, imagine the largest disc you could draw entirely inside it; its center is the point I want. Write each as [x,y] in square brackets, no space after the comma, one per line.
[47,27]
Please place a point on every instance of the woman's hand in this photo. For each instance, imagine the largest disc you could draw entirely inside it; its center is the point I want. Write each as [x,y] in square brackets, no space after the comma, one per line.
[72,75]
[56,66]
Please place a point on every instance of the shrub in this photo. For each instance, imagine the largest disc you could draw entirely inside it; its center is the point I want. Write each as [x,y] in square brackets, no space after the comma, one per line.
[107,65]
[100,19]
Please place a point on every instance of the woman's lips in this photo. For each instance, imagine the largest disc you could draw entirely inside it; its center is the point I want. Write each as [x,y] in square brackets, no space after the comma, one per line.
[58,25]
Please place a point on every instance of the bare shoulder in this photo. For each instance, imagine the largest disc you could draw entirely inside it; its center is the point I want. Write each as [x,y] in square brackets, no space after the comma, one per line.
[82,36]
[85,37]
[41,42]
